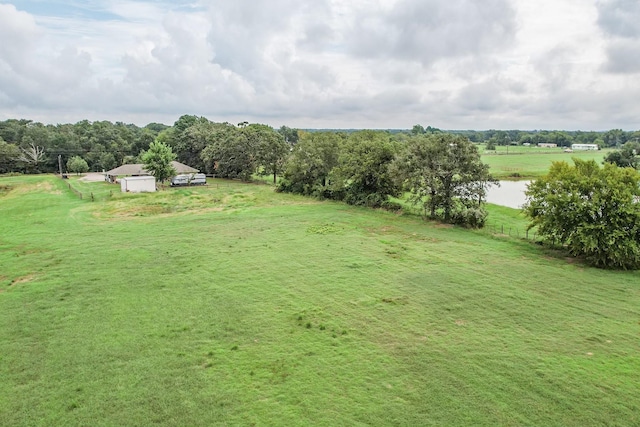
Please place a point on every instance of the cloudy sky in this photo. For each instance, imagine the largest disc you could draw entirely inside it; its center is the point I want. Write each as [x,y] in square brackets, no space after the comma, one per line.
[453,64]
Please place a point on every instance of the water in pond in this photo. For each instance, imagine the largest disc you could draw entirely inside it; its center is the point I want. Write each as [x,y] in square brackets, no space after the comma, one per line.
[510,194]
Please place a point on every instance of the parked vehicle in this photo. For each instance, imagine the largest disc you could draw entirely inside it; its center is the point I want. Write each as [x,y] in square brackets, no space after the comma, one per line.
[198,179]
[179,180]
[189,179]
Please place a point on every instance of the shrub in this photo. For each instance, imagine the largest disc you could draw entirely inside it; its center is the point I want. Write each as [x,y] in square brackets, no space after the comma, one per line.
[470,217]
[593,212]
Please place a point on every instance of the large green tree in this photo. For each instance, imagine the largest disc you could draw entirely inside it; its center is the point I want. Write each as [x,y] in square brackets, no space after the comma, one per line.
[157,160]
[9,154]
[231,153]
[362,174]
[594,212]
[77,164]
[188,138]
[627,156]
[309,166]
[271,149]
[291,136]
[445,176]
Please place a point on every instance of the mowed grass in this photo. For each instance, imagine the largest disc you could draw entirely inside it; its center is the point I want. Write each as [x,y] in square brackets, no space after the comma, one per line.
[234,305]
[532,162]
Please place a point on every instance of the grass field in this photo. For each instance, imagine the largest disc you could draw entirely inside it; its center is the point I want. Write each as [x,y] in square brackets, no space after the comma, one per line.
[531,162]
[234,305]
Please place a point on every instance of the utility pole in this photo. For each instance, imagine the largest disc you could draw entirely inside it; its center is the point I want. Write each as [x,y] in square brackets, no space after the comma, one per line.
[60,164]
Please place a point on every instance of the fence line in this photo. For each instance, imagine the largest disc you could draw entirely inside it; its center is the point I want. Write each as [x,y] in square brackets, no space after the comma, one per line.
[511,231]
[75,191]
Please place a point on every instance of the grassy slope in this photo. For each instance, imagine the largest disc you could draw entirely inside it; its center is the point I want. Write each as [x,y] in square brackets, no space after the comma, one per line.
[232,305]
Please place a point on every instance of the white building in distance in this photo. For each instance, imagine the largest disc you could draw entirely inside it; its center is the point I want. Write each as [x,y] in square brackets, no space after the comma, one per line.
[584,147]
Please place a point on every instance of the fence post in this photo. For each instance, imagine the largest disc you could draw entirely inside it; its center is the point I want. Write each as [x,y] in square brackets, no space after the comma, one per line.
[501,228]
[92,198]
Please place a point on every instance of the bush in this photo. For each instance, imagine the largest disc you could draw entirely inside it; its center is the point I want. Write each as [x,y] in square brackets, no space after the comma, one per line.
[593,212]
[470,217]
[388,205]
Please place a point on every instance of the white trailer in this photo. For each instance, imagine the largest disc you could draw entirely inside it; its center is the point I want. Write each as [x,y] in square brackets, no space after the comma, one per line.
[138,184]
[584,147]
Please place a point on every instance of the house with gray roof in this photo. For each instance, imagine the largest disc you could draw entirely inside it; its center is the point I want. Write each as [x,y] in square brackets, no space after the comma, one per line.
[138,169]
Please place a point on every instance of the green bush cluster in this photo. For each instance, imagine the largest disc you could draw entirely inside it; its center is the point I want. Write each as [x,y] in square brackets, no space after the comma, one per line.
[594,212]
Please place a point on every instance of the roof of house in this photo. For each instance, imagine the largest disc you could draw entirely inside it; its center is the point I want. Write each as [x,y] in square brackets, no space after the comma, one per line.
[138,169]
[140,178]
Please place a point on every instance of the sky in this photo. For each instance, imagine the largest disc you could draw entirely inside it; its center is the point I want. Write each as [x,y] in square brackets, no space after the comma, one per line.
[378,64]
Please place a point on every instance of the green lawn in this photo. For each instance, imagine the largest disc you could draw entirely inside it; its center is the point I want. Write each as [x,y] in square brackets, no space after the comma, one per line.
[234,305]
[532,162]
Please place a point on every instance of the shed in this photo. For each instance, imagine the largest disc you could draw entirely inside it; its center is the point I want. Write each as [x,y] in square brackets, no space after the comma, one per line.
[138,184]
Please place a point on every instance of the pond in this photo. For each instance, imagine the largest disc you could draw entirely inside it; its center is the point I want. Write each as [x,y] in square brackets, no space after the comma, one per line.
[510,194]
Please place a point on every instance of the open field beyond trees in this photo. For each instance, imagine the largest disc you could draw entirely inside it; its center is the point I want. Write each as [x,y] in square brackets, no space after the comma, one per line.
[532,162]
[234,305]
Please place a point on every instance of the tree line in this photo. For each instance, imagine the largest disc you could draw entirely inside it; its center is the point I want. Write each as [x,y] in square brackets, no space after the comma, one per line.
[615,138]
[31,147]
[442,173]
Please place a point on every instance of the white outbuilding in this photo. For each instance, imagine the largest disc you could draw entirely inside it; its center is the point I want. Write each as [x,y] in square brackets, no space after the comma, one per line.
[138,184]
[584,147]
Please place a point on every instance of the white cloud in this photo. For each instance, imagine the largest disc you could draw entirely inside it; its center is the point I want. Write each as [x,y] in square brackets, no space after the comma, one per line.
[618,19]
[326,63]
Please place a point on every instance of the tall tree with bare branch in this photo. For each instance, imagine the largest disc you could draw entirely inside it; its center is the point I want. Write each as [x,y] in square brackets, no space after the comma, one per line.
[32,156]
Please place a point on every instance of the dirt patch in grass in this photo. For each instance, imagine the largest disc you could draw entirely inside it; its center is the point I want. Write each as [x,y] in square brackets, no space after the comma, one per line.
[40,187]
[24,251]
[441,225]
[388,229]
[151,210]
[4,189]
[24,279]
[421,238]
[402,300]
[45,186]
[382,230]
